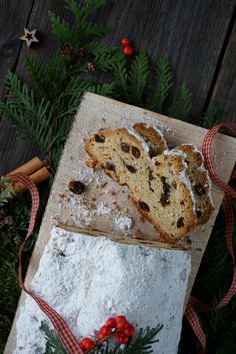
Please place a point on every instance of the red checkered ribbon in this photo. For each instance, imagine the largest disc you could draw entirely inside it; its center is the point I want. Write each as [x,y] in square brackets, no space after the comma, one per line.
[70,342]
[194,305]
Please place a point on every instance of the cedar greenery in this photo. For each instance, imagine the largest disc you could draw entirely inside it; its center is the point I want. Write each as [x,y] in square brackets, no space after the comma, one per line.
[141,343]
[5,192]
[43,111]
[181,106]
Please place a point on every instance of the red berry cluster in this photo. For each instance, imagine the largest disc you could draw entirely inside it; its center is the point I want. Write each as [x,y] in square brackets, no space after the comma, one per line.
[117,327]
[127,47]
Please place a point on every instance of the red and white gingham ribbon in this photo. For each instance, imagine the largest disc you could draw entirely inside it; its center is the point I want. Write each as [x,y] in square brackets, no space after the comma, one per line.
[68,339]
[195,305]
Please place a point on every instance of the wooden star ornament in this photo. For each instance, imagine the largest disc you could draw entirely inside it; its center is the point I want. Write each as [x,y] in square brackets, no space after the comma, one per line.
[29,36]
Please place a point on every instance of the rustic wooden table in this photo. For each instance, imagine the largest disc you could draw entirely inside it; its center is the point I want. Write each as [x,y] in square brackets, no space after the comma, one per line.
[197,36]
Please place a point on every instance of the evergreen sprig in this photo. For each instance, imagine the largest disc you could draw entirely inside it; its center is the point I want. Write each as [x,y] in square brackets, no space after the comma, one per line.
[182,104]
[53,344]
[5,191]
[164,78]
[138,78]
[32,118]
[208,119]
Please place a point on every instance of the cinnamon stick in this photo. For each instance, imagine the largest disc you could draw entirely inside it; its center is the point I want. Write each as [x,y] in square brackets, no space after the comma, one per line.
[29,167]
[39,176]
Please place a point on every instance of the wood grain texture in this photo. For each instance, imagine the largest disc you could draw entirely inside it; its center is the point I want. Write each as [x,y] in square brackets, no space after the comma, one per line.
[14,152]
[96,112]
[225,89]
[14,16]
[189,33]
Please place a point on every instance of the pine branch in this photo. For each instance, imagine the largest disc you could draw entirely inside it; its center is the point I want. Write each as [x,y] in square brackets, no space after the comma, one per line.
[5,192]
[49,79]
[182,106]
[208,119]
[98,49]
[142,342]
[105,62]
[33,119]
[121,88]
[54,344]
[165,82]
[62,31]
[82,12]
[137,78]
[83,27]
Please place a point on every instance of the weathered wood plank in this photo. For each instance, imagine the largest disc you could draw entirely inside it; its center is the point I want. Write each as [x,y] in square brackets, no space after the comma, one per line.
[14,16]
[225,89]
[15,152]
[190,34]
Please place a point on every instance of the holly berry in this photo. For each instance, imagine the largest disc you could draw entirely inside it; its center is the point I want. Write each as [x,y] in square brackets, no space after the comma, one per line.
[87,344]
[100,336]
[111,322]
[105,330]
[123,340]
[124,41]
[129,331]
[118,318]
[128,50]
[121,323]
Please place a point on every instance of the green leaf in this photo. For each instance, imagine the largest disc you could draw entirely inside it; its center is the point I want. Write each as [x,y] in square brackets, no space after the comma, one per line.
[54,345]
[165,82]
[104,62]
[121,87]
[5,191]
[208,118]
[83,27]
[49,79]
[142,342]
[182,106]
[98,49]
[62,31]
[82,12]
[32,118]
[137,78]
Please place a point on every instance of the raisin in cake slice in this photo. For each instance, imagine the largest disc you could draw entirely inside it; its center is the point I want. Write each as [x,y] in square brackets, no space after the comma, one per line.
[159,187]
[200,181]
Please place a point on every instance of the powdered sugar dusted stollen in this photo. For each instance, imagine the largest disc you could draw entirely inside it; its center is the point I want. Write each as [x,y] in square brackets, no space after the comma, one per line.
[200,182]
[88,279]
[159,186]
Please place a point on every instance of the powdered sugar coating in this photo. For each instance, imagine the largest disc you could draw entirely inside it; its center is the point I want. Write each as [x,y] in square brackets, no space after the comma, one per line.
[139,138]
[123,223]
[183,174]
[87,279]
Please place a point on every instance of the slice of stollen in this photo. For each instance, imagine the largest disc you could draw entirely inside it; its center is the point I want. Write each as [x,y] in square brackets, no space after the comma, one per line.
[159,186]
[198,175]
[200,181]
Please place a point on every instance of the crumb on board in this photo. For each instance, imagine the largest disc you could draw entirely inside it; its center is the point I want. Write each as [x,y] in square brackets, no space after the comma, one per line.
[64,197]
[90,163]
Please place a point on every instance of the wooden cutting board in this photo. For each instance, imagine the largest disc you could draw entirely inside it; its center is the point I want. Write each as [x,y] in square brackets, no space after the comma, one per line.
[104,205]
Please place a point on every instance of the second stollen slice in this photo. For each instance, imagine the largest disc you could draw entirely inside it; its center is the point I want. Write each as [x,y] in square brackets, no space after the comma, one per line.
[159,186]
